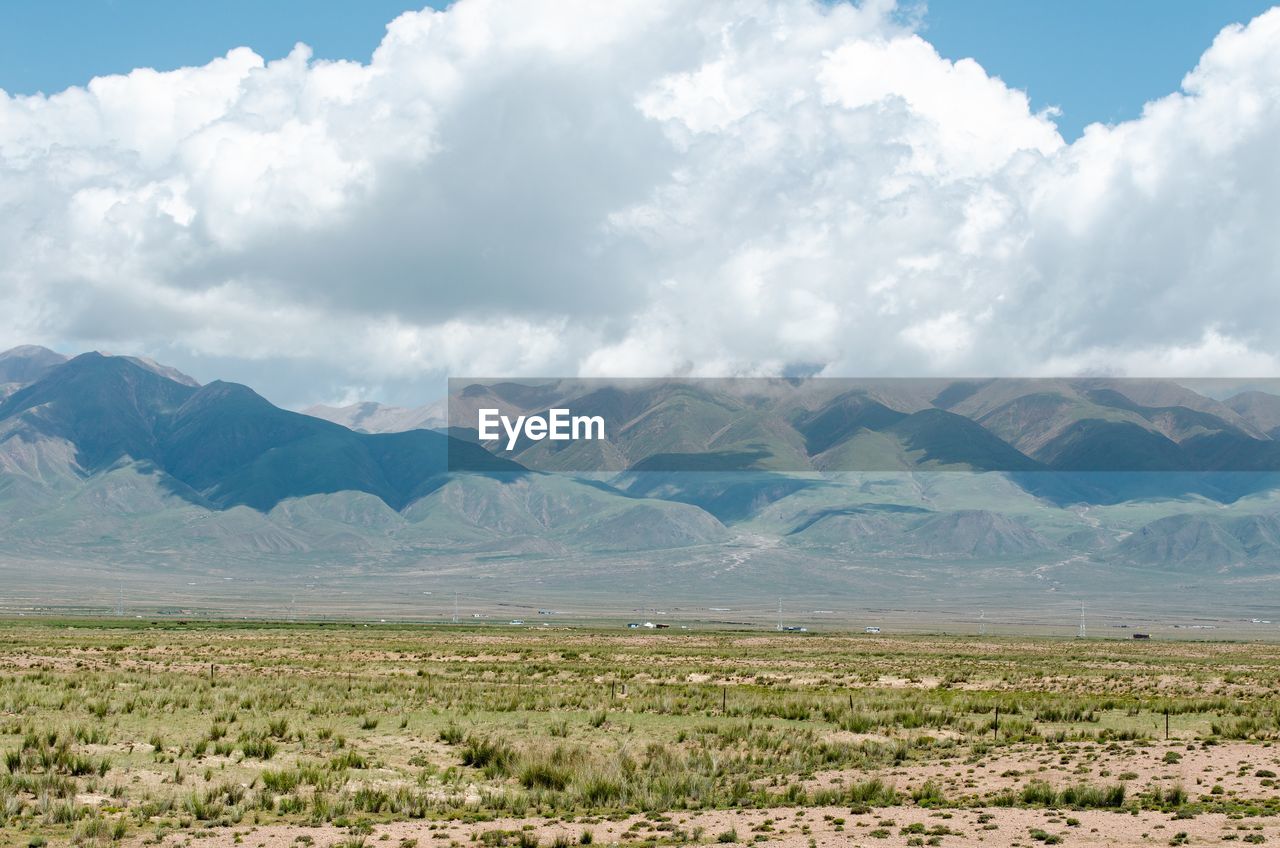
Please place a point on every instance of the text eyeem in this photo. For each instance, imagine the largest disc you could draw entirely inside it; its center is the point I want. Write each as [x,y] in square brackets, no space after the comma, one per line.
[559,425]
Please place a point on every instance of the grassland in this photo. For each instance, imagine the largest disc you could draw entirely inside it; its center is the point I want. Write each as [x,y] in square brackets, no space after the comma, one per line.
[342,734]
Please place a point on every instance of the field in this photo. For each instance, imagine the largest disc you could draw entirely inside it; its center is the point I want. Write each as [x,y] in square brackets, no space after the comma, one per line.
[300,735]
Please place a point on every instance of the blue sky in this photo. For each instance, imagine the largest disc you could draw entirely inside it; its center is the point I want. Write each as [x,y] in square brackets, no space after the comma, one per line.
[1097,60]
[49,45]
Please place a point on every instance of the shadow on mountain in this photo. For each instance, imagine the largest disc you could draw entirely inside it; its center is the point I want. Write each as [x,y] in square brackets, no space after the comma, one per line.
[223,444]
[1112,487]
[865,509]
[729,497]
[705,461]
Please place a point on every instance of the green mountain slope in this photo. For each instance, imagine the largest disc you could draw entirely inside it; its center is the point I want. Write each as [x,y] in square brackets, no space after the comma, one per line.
[222,442]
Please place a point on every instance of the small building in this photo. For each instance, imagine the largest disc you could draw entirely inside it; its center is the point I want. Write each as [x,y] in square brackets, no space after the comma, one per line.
[871,630]
[1142,635]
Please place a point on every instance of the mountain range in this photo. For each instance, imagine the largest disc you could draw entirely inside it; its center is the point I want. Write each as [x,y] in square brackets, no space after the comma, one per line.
[373,417]
[1093,425]
[117,467]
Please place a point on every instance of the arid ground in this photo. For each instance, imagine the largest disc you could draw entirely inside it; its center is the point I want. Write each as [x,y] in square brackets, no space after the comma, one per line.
[300,735]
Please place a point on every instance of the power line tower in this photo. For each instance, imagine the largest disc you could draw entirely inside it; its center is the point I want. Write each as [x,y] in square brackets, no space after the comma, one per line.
[779,615]
[455,607]
[1083,632]
[120,601]
[982,622]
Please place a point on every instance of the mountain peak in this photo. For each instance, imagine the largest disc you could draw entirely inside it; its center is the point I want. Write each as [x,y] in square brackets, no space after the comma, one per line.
[165,371]
[30,352]
[372,417]
[96,363]
[26,364]
[226,397]
[225,388]
[106,406]
[1261,409]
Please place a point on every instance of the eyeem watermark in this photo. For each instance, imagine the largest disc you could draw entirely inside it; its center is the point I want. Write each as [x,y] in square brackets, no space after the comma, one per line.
[1056,426]
[558,425]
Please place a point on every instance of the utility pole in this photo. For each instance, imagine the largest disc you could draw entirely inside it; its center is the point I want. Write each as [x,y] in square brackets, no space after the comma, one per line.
[1082,634]
[455,607]
[982,622]
[120,601]
[779,614]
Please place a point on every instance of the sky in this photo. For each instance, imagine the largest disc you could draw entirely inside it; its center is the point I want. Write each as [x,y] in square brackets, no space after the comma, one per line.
[1094,60]
[548,187]
[49,46]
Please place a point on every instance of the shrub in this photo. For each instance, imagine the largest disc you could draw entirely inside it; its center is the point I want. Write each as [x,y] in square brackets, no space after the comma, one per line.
[874,792]
[494,757]
[258,747]
[1086,796]
[285,780]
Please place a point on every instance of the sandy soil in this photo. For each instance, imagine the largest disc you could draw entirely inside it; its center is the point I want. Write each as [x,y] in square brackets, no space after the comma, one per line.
[833,827]
[1235,766]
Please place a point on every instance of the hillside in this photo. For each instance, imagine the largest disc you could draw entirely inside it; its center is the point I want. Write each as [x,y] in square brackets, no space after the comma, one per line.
[1018,426]
[371,417]
[119,468]
[222,442]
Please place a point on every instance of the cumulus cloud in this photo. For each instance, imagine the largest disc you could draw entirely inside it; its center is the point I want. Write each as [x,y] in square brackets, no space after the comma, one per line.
[526,187]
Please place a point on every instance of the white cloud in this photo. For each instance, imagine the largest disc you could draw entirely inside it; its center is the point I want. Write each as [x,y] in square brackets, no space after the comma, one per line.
[964,123]
[549,187]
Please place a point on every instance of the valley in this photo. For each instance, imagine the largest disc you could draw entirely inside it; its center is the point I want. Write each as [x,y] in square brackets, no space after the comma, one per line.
[128,488]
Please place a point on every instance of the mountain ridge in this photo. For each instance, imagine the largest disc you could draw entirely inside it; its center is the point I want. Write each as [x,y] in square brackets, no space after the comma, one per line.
[223,440]
[108,461]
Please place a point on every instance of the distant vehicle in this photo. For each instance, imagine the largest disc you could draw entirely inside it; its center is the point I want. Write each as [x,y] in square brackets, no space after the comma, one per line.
[632,625]
[794,628]
[662,626]
[1142,635]
[871,630]
[649,625]
[516,621]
